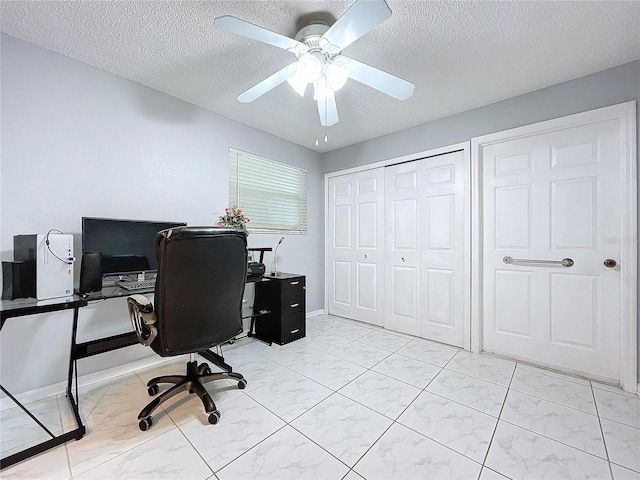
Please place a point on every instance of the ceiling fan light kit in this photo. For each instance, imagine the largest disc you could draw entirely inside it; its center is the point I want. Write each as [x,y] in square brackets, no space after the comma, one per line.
[321,89]
[337,72]
[309,66]
[298,84]
[318,62]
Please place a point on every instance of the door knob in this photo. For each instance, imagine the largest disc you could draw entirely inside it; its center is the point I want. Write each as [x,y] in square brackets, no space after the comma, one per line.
[610,263]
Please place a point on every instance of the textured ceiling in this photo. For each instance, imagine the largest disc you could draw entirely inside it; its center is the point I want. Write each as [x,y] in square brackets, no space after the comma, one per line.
[459,54]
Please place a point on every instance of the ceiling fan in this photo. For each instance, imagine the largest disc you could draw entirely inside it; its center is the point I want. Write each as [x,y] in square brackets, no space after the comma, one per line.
[317,49]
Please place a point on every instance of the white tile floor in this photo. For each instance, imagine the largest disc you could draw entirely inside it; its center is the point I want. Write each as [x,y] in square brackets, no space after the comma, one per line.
[348,401]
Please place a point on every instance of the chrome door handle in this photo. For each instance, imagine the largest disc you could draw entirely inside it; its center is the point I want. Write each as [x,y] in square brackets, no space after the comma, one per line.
[610,263]
[565,262]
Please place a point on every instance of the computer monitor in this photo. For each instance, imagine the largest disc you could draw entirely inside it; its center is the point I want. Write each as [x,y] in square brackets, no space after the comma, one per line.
[126,246]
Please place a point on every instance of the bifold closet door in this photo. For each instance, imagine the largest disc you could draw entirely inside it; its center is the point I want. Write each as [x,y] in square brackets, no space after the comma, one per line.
[426,245]
[403,229]
[444,247]
[356,246]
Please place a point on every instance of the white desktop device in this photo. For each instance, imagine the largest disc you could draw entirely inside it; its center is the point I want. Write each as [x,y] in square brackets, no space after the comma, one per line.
[54,267]
[53,257]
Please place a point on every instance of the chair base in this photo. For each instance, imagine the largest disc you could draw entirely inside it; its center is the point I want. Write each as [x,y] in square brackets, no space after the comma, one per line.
[194,380]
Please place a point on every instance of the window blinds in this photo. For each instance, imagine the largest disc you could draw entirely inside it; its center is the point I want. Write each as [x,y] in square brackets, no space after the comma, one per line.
[272,194]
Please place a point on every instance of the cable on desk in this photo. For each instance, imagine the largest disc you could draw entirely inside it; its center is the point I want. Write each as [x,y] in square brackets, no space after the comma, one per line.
[69,260]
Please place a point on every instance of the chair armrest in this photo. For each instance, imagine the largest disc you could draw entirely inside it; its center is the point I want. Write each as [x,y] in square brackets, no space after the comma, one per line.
[143,318]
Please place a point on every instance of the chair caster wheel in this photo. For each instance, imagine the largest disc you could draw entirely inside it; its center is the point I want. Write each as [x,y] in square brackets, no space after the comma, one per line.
[145,424]
[204,369]
[153,390]
[214,417]
[242,384]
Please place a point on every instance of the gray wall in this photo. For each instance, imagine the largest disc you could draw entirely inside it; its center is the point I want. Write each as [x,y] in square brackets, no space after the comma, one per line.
[77,141]
[609,87]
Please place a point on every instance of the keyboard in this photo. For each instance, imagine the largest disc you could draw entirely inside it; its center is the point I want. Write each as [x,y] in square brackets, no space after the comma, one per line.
[137,285]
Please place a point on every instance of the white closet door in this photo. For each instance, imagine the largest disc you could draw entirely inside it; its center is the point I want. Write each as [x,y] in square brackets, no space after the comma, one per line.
[398,248]
[402,256]
[443,248]
[550,196]
[356,225]
[340,248]
[426,245]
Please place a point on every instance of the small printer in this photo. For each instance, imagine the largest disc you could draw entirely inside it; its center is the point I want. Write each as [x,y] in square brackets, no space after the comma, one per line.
[255,269]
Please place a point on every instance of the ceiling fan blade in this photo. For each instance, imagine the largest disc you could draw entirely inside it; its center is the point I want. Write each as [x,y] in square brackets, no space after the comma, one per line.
[362,16]
[328,111]
[267,84]
[383,81]
[249,30]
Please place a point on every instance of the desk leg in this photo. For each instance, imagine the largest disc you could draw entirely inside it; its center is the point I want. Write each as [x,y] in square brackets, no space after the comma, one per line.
[24,409]
[252,333]
[73,372]
[55,440]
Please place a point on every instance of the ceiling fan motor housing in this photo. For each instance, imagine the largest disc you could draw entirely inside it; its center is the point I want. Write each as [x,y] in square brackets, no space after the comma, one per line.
[310,36]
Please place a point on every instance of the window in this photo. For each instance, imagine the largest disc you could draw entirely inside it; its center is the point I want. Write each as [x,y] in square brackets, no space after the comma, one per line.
[272,194]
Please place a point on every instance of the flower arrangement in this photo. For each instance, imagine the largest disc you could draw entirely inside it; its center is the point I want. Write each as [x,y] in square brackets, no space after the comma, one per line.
[234,218]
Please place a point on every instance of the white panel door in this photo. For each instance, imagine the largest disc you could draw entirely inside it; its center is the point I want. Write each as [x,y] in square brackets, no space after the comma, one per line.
[403,187]
[443,247]
[356,249]
[550,196]
[341,194]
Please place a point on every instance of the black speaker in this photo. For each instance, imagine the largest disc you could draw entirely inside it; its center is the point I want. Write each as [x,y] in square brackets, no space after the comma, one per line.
[91,273]
[18,280]
[7,280]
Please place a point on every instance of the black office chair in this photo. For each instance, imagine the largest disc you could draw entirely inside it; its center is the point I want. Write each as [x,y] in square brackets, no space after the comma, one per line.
[198,301]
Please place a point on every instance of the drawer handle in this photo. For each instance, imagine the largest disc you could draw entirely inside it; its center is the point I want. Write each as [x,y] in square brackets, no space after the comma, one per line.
[294,305]
[295,331]
[294,283]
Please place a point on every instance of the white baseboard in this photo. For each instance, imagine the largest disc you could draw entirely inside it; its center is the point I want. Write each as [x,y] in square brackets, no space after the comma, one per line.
[315,313]
[83,381]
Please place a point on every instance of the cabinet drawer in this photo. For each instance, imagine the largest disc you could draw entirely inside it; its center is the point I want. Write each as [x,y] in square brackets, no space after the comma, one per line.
[293,299]
[296,282]
[293,327]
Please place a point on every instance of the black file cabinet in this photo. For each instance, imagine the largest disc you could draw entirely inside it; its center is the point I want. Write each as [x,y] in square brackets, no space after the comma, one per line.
[284,297]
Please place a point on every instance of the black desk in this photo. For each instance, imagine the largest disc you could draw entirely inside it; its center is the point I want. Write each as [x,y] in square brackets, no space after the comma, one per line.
[30,306]
[107,344]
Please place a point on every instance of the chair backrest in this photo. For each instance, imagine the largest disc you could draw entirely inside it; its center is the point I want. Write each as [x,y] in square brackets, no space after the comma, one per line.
[199,288]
